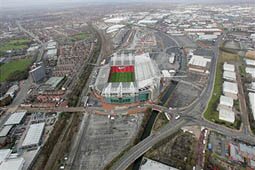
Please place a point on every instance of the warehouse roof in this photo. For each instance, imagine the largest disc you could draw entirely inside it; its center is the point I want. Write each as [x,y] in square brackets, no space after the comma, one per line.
[226,101]
[13,164]
[228,67]
[4,154]
[252,103]
[166,73]
[251,71]
[54,81]
[230,87]
[250,62]
[5,130]
[152,165]
[200,61]
[15,118]
[229,75]
[34,134]
[227,115]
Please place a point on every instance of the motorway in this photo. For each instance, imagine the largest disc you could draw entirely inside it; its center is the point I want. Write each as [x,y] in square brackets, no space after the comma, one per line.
[192,113]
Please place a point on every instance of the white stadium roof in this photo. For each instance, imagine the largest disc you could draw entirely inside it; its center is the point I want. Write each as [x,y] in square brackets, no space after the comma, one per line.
[252,103]
[229,75]
[228,67]
[145,70]
[229,87]
[227,115]
[15,118]
[226,101]
[13,164]
[34,134]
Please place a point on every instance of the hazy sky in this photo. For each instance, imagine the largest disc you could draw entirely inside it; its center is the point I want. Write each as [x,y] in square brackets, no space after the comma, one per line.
[30,3]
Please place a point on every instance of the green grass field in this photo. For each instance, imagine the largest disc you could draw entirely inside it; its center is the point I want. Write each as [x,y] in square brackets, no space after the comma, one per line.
[8,68]
[14,45]
[79,36]
[122,77]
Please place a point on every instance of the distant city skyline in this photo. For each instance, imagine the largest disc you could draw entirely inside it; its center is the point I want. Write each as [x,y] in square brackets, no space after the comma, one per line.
[42,3]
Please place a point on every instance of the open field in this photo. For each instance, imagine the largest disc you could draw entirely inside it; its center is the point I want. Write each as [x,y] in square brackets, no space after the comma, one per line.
[8,69]
[79,36]
[122,77]
[16,44]
[211,113]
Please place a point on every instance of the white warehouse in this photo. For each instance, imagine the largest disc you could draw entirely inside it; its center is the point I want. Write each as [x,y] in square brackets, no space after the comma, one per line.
[230,89]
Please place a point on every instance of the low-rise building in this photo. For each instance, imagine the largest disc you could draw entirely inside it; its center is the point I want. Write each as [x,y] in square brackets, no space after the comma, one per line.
[229,67]
[16,118]
[199,64]
[227,115]
[229,75]
[252,103]
[251,71]
[33,136]
[226,103]
[230,89]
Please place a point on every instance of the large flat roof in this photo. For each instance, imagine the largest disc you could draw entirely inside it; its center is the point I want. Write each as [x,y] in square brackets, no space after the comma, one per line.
[227,101]
[15,118]
[4,154]
[153,165]
[13,164]
[228,67]
[230,87]
[252,103]
[5,130]
[54,81]
[34,134]
[227,115]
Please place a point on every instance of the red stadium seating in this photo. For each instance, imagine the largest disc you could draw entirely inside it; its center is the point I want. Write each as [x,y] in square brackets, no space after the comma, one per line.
[122,69]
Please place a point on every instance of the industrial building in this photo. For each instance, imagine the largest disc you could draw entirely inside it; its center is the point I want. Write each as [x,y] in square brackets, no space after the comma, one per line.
[13,164]
[226,103]
[15,118]
[229,75]
[230,89]
[227,115]
[33,136]
[252,103]
[199,64]
[38,74]
[128,79]
[228,67]
[251,71]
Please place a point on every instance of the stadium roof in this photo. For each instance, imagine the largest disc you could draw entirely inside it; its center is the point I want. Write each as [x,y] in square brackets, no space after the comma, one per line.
[4,154]
[228,67]
[226,101]
[15,118]
[5,130]
[252,103]
[227,115]
[13,164]
[229,75]
[145,70]
[229,87]
[34,134]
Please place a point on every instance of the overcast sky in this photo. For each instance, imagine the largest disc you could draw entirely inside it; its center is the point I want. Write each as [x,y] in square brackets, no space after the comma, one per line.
[27,3]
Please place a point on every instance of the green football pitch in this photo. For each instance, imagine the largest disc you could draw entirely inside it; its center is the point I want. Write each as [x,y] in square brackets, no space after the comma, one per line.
[122,77]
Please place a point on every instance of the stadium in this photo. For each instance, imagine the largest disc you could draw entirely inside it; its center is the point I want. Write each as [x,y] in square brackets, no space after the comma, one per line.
[128,79]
